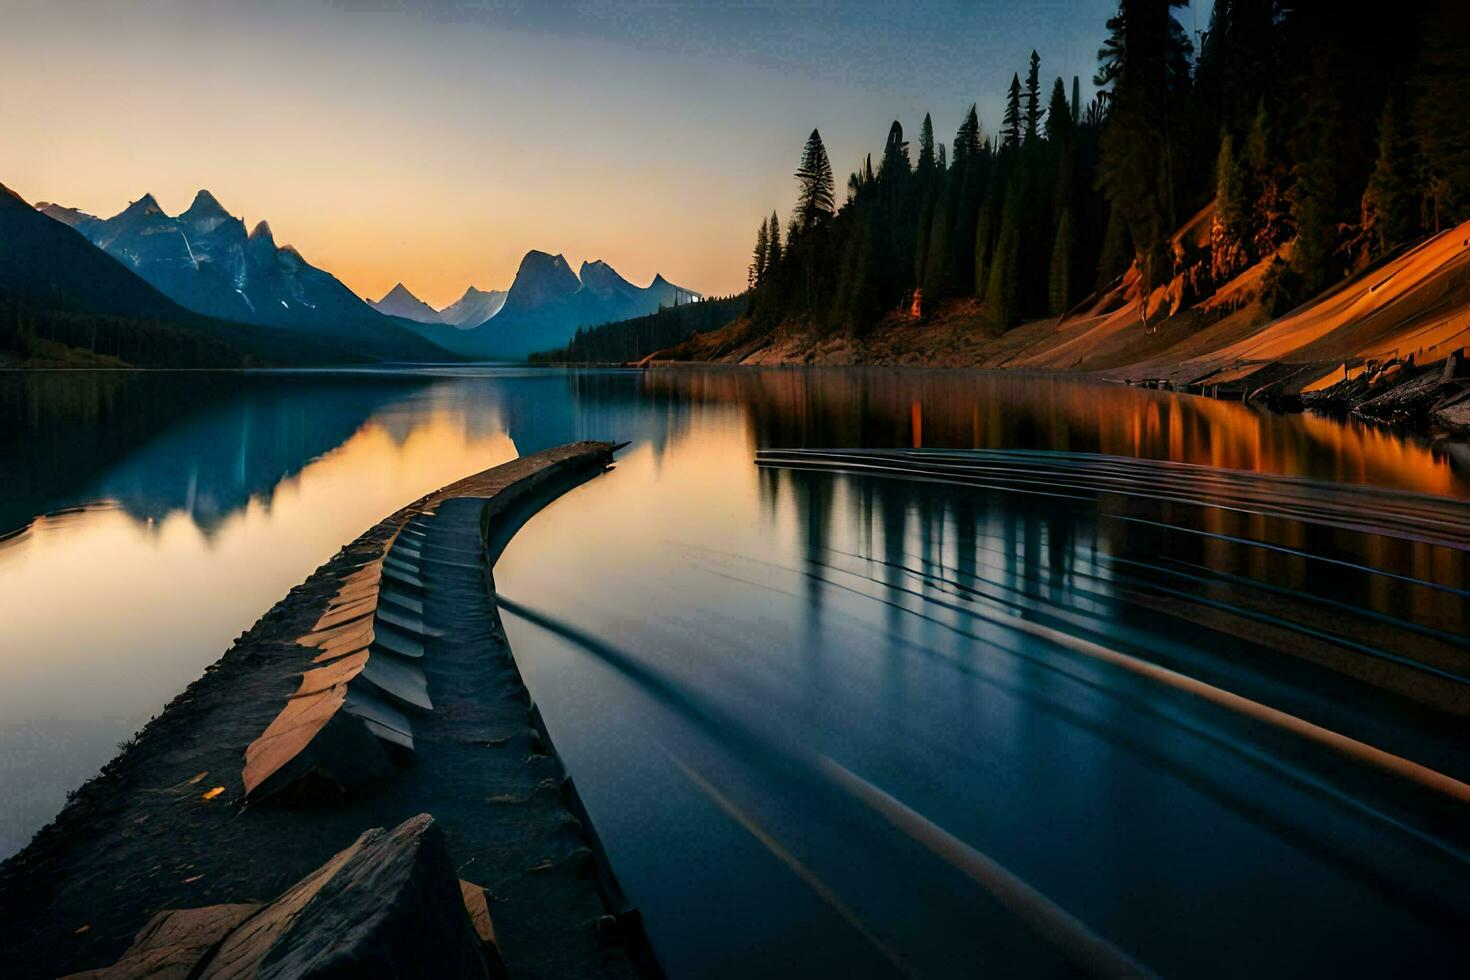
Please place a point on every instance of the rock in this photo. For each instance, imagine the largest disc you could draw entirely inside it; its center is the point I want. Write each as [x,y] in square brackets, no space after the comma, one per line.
[173,943]
[312,749]
[478,907]
[1454,415]
[388,906]
[1455,367]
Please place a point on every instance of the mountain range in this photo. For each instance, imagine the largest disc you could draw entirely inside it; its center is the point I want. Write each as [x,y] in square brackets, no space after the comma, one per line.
[548,302]
[57,287]
[470,310]
[206,261]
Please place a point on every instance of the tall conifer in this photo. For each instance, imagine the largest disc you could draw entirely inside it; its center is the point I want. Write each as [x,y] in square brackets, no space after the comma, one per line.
[1011,127]
[926,145]
[1059,122]
[762,254]
[967,138]
[814,202]
[1389,204]
[1059,284]
[1033,96]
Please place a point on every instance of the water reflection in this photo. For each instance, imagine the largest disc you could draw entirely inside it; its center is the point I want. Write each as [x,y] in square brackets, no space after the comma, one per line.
[857,696]
[748,667]
[967,409]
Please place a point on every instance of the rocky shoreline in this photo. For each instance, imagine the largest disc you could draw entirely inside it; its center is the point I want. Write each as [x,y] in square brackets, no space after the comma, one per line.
[1435,396]
[166,824]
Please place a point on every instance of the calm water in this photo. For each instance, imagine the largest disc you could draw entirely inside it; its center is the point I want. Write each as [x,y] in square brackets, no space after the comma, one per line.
[827,717]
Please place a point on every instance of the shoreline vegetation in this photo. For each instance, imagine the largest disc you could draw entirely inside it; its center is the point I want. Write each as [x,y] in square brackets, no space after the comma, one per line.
[1277,209]
[169,825]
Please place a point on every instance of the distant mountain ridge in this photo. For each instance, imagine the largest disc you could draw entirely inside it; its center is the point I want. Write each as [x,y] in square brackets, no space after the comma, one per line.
[470,310]
[400,302]
[548,302]
[204,260]
[57,287]
[473,308]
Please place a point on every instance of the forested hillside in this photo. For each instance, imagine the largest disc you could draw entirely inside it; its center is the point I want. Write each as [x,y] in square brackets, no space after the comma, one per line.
[1326,139]
[629,340]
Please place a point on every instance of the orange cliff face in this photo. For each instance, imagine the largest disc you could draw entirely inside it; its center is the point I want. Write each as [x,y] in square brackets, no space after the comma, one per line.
[1417,303]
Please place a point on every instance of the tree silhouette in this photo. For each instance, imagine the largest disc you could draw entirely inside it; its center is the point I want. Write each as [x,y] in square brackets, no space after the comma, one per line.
[814,203]
[967,138]
[762,255]
[1033,96]
[1010,131]
[926,145]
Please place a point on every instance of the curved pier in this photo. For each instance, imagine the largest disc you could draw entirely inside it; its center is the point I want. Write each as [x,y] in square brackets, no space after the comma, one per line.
[380,688]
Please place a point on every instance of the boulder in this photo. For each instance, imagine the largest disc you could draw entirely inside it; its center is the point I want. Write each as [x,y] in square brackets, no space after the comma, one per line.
[478,906]
[388,906]
[173,943]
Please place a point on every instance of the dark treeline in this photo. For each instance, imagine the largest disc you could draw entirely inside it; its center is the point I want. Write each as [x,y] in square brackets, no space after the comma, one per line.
[630,340]
[40,332]
[1309,123]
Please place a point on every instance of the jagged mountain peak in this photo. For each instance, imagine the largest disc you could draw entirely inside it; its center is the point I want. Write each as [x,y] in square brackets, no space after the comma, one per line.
[541,276]
[474,307]
[400,301]
[67,216]
[262,232]
[536,259]
[206,203]
[147,204]
[603,279]
[9,198]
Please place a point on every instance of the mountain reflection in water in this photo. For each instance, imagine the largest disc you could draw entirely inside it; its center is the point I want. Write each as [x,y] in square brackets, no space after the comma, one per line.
[829,719]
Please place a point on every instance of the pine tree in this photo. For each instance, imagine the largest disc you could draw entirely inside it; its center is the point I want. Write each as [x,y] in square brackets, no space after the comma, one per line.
[1033,97]
[773,243]
[967,138]
[1442,89]
[1011,127]
[814,202]
[1231,237]
[943,164]
[1059,122]
[895,163]
[1269,213]
[1117,246]
[1314,194]
[937,252]
[1144,66]
[987,224]
[762,256]
[1002,292]
[1076,102]
[1389,202]
[1060,281]
[926,145]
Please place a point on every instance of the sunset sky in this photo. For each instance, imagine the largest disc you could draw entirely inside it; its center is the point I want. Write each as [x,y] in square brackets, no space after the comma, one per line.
[435,143]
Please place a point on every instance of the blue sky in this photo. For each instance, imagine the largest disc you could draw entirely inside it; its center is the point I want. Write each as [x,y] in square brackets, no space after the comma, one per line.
[436,142]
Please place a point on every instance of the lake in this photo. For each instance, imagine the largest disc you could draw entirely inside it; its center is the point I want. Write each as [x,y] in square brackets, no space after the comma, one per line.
[1059,670]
